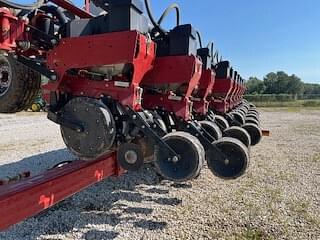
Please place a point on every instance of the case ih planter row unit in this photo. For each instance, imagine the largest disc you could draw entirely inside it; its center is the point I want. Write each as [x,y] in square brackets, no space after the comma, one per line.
[125,92]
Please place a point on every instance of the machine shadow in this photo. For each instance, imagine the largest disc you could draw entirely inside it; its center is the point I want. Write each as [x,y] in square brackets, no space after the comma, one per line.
[36,163]
[108,202]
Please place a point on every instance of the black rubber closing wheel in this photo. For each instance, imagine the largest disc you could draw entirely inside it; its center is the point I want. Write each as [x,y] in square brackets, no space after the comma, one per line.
[252,115]
[212,129]
[191,158]
[253,121]
[254,132]
[238,133]
[221,122]
[242,111]
[234,162]
[239,117]
[98,125]
[130,156]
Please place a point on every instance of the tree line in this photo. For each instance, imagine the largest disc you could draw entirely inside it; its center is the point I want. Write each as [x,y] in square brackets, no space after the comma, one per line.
[280,83]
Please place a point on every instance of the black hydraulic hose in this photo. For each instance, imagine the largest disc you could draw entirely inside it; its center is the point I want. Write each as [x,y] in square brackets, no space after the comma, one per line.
[157,25]
[55,11]
[199,38]
[5,3]
[152,19]
[173,6]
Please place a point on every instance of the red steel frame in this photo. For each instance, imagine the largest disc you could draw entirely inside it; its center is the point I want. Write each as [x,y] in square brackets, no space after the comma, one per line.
[28,197]
[185,70]
[222,92]
[128,47]
[207,81]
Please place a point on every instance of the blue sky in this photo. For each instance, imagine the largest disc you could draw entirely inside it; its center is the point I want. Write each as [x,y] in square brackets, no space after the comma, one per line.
[257,36]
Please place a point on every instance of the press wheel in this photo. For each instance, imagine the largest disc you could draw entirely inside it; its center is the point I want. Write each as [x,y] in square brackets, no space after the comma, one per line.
[212,129]
[254,132]
[238,133]
[221,122]
[232,163]
[190,158]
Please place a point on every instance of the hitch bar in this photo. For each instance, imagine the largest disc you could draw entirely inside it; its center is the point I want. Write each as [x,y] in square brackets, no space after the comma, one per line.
[30,196]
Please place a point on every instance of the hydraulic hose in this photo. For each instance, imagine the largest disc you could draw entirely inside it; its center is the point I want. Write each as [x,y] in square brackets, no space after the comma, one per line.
[5,3]
[199,38]
[157,24]
[55,11]
[173,6]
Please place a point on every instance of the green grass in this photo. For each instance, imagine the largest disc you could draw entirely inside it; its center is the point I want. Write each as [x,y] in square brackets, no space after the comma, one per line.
[298,103]
[316,157]
[252,234]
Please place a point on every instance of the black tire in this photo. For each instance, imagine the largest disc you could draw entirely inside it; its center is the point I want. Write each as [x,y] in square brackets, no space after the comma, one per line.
[192,156]
[254,132]
[253,115]
[235,162]
[221,122]
[24,85]
[239,117]
[243,111]
[253,121]
[238,133]
[212,129]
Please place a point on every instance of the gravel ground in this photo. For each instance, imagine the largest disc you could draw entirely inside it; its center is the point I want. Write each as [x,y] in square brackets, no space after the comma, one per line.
[279,198]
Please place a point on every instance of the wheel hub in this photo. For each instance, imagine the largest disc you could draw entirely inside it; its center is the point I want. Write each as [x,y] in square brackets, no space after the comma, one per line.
[131,157]
[5,79]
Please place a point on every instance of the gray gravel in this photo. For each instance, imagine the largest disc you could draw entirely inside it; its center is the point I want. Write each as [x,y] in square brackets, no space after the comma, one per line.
[279,198]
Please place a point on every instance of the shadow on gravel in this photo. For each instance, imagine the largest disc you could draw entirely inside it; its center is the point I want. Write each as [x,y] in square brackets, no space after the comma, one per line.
[107,203]
[35,164]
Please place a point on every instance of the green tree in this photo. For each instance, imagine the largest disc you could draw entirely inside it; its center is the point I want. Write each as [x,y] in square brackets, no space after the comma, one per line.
[255,86]
[295,85]
[282,83]
[310,88]
[270,83]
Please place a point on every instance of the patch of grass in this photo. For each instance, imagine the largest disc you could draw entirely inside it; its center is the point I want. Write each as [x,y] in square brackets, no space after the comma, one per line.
[274,194]
[252,234]
[301,208]
[294,105]
[316,157]
[286,176]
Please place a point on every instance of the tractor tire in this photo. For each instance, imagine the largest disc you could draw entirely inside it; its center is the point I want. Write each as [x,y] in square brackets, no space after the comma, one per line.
[19,85]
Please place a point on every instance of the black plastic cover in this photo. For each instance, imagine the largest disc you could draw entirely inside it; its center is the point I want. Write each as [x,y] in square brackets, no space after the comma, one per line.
[223,70]
[205,55]
[123,15]
[179,41]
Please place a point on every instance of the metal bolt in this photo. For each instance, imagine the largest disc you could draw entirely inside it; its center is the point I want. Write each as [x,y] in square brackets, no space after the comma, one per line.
[143,127]
[53,41]
[175,159]
[134,117]
[53,77]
